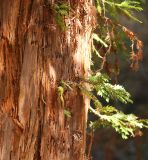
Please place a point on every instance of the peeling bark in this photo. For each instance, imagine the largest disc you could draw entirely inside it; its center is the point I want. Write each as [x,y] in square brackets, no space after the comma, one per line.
[34,56]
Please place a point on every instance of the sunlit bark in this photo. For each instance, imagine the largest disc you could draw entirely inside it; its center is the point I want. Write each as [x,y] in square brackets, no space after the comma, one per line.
[34,56]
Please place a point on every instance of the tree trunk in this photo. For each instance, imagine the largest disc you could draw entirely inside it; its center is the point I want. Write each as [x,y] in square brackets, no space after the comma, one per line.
[35,55]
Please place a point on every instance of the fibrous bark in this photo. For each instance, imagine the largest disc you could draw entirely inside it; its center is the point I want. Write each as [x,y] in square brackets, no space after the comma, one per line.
[35,55]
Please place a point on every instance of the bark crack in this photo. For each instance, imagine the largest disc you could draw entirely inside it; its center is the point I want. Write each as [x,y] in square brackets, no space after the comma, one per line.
[37,155]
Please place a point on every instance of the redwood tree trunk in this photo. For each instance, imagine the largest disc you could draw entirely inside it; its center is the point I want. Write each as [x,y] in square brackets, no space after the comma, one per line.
[35,55]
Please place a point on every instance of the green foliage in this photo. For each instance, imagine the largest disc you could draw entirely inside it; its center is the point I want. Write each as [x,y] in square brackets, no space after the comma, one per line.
[126,4]
[98,6]
[61,89]
[111,39]
[67,113]
[61,10]
[91,96]
[126,7]
[61,93]
[108,110]
[100,83]
[145,122]
[125,125]
[98,39]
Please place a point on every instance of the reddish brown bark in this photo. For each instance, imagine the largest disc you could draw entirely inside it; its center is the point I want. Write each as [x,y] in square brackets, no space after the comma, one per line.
[34,56]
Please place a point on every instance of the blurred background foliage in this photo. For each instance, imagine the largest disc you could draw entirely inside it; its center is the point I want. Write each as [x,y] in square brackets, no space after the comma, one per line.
[107,145]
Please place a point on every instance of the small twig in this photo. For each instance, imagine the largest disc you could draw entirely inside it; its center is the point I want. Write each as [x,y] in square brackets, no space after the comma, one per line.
[43,100]
[18,123]
[90,144]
